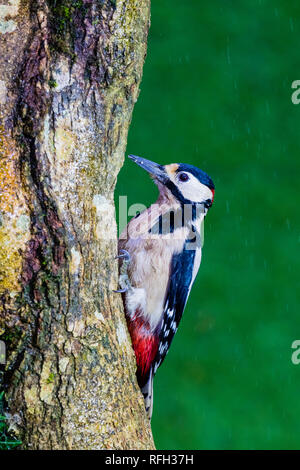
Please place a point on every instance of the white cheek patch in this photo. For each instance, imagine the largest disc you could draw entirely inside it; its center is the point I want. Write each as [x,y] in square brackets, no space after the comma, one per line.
[193,190]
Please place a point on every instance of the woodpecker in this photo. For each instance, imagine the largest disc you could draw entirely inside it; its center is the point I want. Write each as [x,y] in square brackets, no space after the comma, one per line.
[160,254]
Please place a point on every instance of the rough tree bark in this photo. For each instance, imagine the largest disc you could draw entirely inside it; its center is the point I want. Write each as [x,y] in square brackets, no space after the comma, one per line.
[69,77]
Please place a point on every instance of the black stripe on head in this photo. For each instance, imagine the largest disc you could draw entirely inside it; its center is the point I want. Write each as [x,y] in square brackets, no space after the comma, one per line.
[176,193]
[199,174]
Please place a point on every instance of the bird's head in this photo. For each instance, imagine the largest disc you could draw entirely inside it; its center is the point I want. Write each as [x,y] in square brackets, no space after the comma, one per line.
[188,184]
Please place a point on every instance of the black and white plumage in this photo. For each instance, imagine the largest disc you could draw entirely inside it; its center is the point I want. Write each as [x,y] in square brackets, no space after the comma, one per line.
[164,244]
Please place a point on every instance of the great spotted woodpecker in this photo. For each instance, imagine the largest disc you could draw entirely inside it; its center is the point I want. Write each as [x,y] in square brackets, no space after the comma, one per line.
[160,254]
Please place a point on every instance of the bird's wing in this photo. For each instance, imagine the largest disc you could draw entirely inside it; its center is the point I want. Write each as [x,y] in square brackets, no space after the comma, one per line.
[181,278]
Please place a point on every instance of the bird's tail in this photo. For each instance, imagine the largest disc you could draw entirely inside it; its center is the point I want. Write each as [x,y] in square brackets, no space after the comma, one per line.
[147,391]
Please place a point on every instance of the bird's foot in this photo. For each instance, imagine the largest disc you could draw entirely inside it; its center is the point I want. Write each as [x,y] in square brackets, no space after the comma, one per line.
[124,282]
[121,291]
[124,254]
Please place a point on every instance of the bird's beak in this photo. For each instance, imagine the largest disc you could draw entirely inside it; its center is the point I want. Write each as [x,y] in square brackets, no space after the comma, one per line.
[153,168]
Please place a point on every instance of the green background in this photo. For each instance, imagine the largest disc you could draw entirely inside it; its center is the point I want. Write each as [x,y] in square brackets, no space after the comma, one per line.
[216,93]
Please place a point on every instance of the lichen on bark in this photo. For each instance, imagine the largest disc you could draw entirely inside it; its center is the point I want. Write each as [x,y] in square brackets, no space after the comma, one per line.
[14,217]
[68,91]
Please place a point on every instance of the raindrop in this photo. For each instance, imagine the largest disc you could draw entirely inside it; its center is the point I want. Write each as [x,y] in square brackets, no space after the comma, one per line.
[228,52]
[258,153]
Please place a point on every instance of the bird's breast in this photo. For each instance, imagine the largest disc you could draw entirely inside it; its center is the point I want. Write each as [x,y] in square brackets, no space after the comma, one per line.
[149,272]
[151,249]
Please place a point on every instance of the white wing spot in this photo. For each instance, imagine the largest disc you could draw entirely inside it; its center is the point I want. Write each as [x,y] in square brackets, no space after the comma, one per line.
[170,313]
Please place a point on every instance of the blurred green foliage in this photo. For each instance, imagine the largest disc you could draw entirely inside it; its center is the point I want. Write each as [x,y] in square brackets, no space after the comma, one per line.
[7,441]
[216,93]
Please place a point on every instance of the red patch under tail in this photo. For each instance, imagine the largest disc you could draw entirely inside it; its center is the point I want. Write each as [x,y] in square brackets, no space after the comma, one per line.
[145,345]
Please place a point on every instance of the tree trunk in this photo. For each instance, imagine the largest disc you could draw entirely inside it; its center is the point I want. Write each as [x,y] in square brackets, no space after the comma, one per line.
[70,72]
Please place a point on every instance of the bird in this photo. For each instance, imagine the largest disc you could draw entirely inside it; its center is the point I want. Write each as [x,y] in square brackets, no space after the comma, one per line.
[159,257]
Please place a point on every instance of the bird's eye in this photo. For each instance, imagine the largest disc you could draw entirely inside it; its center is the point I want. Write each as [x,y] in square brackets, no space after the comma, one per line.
[184,177]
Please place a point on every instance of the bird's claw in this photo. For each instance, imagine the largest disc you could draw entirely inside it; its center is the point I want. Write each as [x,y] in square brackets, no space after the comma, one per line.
[124,254]
[123,279]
